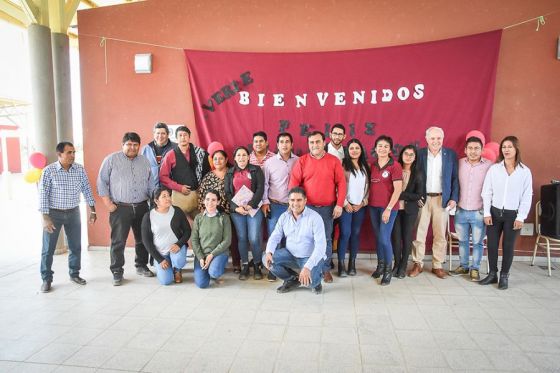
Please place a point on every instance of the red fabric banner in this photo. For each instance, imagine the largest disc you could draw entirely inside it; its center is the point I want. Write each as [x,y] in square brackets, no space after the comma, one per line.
[398,91]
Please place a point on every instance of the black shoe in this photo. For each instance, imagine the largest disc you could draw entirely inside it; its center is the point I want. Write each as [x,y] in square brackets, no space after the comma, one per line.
[341,270]
[288,285]
[144,271]
[244,274]
[379,270]
[257,274]
[117,279]
[492,278]
[317,289]
[387,275]
[401,273]
[270,277]
[332,264]
[46,286]
[395,271]
[352,267]
[503,284]
[78,280]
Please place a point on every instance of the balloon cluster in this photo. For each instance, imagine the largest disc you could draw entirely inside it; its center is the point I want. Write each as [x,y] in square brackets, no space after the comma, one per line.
[214,145]
[38,160]
[490,150]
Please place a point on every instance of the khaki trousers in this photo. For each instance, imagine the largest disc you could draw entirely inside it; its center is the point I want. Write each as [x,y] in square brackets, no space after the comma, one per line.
[432,211]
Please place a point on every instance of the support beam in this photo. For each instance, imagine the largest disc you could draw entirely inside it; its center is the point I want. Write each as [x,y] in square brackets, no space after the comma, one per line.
[56,15]
[13,13]
[42,91]
[31,10]
[69,11]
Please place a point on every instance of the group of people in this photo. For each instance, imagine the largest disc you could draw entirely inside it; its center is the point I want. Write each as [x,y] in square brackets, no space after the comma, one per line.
[222,209]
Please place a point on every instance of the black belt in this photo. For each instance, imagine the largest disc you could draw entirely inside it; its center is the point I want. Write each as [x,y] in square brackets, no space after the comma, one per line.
[501,212]
[278,202]
[433,194]
[59,210]
[131,204]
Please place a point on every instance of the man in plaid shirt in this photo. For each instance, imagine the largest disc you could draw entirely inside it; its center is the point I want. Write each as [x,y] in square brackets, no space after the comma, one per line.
[59,198]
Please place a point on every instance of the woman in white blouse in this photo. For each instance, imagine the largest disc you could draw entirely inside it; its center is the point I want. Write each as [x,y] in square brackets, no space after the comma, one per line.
[507,194]
[356,171]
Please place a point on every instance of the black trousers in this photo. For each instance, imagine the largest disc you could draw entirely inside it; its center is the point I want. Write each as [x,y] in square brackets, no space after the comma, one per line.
[401,238]
[502,224]
[121,220]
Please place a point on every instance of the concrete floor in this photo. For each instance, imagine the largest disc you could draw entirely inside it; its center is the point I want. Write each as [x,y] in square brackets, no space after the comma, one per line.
[421,324]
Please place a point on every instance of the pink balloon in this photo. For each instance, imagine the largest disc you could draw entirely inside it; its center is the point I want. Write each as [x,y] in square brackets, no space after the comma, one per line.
[214,145]
[38,160]
[489,154]
[476,133]
[494,146]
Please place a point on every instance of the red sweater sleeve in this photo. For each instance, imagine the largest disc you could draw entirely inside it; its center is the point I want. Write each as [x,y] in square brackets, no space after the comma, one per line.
[296,174]
[167,164]
[340,181]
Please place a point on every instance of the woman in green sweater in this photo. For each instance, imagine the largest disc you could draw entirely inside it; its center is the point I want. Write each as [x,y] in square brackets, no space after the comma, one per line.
[211,237]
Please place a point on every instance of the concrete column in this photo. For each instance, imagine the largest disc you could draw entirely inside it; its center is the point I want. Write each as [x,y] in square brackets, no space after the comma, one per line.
[62,86]
[42,91]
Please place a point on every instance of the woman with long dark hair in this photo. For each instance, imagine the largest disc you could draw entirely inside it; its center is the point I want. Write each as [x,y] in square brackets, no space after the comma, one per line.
[165,232]
[384,192]
[413,193]
[211,237]
[248,217]
[356,172]
[507,195]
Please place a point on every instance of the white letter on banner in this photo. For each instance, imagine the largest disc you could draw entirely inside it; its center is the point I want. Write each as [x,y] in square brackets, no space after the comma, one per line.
[359,97]
[244,97]
[373,96]
[418,91]
[301,100]
[261,100]
[387,95]
[322,96]
[339,98]
[403,93]
[278,99]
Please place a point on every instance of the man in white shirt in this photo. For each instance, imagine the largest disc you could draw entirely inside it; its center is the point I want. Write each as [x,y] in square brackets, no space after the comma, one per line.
[337,136]
[442,190]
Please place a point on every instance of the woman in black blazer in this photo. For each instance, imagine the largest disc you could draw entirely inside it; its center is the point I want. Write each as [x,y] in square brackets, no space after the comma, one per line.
[248,217]
[413,194]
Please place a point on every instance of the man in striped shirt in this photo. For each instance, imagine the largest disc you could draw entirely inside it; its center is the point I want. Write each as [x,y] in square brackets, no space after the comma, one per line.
[59,198]
[125,184]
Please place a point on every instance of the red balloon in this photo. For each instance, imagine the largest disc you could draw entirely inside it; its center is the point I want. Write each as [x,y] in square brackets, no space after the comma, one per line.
[476,133]
[38,160]
[494,146]
[489,154]
[214,145]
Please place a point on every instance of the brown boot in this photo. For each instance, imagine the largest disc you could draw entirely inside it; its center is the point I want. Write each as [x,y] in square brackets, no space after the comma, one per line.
[327,277]
[178,276]
[415,271]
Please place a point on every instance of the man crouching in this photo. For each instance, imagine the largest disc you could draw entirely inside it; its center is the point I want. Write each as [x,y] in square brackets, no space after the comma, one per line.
[300,260]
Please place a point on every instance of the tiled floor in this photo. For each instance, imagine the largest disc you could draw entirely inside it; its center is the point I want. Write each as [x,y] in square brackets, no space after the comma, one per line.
[414,325]
[422,324]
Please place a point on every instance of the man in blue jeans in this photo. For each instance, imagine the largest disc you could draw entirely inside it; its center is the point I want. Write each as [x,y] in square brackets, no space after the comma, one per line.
[469,218]
[301,261]
[277,171]
[60,187]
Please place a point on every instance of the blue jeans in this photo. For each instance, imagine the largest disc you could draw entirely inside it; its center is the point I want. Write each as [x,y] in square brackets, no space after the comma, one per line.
[70,219]
[326,214]
[249,230]
[276,210]
[285,266]
[215,270]
[350,226]
[467,223]
[177,260]
[382,233]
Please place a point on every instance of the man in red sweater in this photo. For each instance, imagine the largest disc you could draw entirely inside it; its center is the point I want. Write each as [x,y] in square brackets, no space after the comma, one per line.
[322,177]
